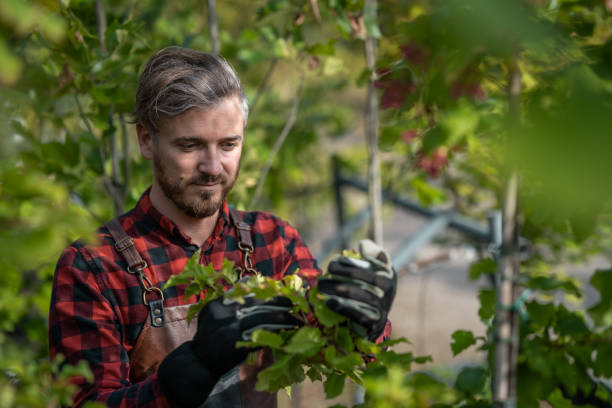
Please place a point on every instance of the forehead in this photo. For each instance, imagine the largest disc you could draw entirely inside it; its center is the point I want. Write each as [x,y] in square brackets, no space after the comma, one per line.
[222,119]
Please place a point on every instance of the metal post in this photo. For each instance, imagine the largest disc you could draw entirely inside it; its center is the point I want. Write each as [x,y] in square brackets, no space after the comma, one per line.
[337,187]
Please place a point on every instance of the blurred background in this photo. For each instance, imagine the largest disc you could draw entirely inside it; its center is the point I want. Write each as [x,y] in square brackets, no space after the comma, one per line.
[442,104]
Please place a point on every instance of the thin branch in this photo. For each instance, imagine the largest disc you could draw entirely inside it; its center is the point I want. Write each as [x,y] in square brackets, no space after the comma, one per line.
[127,163]
[371,125]
[101,20]
[264,84]
[113,149]
[213,28]
[91,130]
[279,142]
[315,10]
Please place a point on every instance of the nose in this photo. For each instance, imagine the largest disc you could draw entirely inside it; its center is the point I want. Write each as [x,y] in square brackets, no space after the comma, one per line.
[210,162]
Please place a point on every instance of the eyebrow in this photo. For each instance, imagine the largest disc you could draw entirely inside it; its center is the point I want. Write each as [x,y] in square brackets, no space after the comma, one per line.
[198,140]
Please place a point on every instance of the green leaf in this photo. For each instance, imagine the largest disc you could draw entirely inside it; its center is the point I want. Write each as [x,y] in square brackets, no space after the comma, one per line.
[228,272]
[367,347]
[462,340]
[570,323]
[485,266]
[391,358]
[471,380]
[307,341]
[314,373]
[324,314]
[434,138]
[603,360]
[191,289]
[194,310]
[266,339]
[427,193]
[333,385]
[487,304]
[540,314]
[423,359]
[323,48]
[393,342]
[602,311]
[347,362]
[344,339]
[557,400]
[538,358]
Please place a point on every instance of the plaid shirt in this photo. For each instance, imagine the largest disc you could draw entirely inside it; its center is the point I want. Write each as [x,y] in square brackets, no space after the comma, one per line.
[96,306]
[97,311]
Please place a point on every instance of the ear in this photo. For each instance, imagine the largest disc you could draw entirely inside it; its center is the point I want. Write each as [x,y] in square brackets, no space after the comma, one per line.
[145,141]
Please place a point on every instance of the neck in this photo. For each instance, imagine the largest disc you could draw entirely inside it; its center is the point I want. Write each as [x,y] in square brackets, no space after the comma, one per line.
[198,229]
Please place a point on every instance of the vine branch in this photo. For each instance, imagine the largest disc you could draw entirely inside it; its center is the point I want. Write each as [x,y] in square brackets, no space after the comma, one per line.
[279,142]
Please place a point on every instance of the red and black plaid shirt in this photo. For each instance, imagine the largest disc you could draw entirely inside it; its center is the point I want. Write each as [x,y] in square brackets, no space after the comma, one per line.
[97,311]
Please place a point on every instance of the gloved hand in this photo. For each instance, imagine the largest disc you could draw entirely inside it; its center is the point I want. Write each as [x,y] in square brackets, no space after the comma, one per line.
[224,322]
[361,289]
[189,373]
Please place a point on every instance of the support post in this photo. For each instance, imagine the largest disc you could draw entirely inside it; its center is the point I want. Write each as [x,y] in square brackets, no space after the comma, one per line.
[506,317]
[337,187]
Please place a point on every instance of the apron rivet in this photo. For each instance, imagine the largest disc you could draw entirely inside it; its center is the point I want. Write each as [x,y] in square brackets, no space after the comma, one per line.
[157,312]
[158,320]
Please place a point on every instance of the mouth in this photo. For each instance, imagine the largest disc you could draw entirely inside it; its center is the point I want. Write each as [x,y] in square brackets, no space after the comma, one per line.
[208,186]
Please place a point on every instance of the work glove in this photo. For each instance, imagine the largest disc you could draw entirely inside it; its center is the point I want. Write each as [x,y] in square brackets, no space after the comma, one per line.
[361,289]
[223,322]
[189,373]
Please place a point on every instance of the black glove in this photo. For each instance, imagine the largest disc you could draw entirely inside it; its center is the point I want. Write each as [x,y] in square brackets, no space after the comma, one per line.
[185,379]
[224,322]
[189,373]
[361,289]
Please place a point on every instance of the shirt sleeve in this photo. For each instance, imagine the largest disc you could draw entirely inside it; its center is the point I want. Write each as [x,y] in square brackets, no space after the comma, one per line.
[299,256]
[84,326]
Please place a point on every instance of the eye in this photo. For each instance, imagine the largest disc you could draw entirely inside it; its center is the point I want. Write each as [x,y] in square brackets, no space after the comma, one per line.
[229,145]
[187,146]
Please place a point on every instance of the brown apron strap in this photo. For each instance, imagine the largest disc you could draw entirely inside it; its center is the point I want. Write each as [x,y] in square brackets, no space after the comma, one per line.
[244,229]
[245,242]
[124,244]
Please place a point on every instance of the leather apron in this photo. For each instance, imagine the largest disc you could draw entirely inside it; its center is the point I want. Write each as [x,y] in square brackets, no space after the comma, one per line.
[167,328]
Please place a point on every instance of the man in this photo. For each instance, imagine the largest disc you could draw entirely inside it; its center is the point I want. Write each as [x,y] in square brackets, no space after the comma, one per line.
[107,305]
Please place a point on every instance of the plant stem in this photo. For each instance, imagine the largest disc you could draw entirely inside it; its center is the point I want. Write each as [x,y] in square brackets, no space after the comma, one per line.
[278,144]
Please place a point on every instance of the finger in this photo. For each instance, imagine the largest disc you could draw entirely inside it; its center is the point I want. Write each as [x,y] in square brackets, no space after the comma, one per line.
[380,280]
[359,312]
[250,300]
[349,291]
[370,251]
[267,320]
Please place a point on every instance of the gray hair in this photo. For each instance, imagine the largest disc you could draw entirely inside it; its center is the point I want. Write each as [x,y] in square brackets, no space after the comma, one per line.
[177,79]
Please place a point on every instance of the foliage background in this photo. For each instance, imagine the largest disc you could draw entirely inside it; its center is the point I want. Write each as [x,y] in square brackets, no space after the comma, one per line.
[69,161]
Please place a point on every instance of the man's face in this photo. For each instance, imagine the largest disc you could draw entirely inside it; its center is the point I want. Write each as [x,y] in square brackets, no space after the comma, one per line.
[196,156]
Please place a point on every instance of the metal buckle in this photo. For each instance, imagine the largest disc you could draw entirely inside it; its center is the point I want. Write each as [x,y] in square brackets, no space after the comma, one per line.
[138,268]
[150,290]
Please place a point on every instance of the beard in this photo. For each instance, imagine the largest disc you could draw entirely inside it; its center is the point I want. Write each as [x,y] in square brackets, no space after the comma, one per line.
[204,203]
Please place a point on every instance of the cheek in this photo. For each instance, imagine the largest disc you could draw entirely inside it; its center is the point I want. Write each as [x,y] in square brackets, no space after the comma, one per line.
[234,162]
